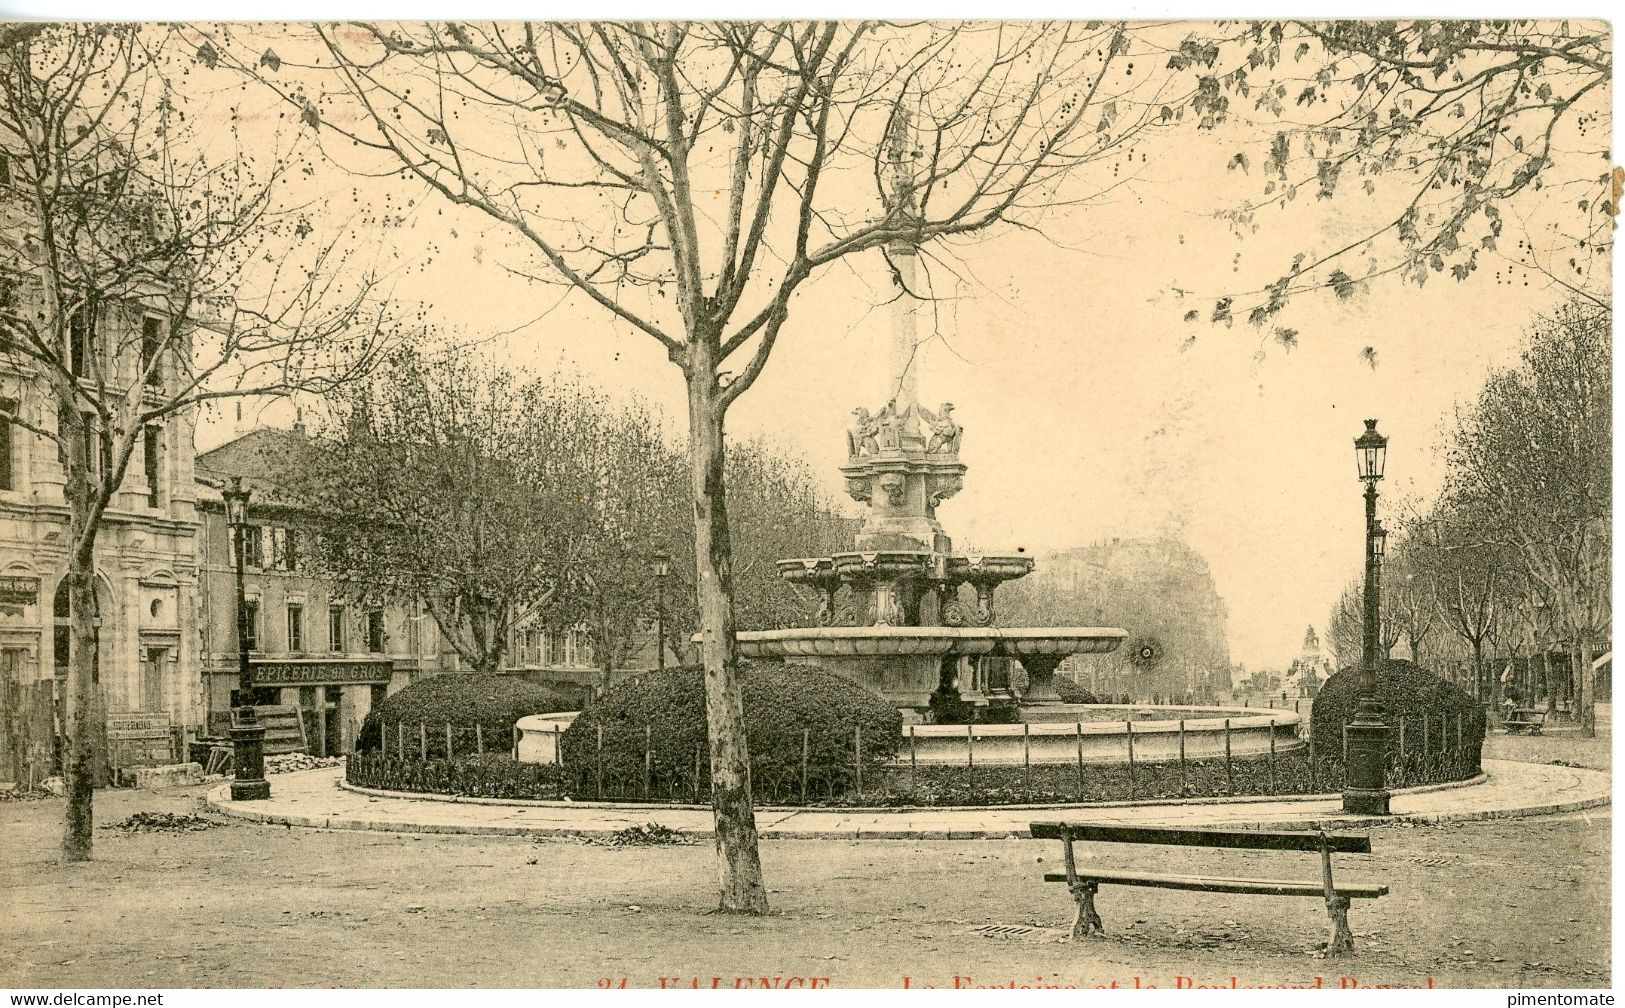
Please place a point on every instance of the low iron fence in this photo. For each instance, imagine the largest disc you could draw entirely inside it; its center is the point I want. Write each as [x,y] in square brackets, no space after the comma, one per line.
[635,766]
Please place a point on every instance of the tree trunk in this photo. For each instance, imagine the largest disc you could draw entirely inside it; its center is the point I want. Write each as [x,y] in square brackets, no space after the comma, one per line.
[739,861]
[606,659]
[82,708]
[1588,689]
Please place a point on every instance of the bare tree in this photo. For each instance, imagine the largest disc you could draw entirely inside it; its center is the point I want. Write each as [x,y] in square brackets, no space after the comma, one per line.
[691,179]
[141,276]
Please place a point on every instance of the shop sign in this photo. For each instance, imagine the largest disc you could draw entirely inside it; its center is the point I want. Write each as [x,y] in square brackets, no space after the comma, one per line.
[288,673]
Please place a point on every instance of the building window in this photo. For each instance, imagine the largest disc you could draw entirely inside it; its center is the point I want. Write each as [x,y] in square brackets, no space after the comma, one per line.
[152,457]
[284,548]
[252,608]
[335,628]
[296,626]
[151,337]
[375,631]
[253,545]
[9,464]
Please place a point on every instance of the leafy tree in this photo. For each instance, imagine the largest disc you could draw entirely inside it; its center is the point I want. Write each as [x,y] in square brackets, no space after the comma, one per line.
[1453,130]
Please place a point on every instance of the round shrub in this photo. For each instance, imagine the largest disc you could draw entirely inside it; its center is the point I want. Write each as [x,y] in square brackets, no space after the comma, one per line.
[1408,692]
[463,700]
[666,711]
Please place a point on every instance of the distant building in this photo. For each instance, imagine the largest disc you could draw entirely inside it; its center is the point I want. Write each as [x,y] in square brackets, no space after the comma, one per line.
[317,646]
[1311,668]
[312,644]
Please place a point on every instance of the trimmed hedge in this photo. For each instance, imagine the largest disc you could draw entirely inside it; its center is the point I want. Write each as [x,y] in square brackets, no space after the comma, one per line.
[463,700]
[665,712]
[1409,694]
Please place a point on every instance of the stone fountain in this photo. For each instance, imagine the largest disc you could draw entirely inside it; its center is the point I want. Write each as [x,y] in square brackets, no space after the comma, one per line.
[906,620]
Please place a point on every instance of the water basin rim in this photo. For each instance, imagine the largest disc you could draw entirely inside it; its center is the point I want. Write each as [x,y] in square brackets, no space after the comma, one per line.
[1239,718]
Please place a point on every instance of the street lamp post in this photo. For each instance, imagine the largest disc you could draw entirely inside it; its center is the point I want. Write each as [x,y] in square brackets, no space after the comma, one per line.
[247,735]
[660,567]
[1365,786]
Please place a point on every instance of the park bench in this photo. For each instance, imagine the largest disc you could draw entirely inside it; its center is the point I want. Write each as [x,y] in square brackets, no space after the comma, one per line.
[1523,720]
[1084,883]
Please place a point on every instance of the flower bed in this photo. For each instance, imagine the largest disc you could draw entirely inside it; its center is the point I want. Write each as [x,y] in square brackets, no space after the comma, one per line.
[492,775]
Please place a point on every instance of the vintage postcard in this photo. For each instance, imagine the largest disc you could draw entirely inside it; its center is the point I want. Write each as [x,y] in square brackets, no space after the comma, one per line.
[806,504]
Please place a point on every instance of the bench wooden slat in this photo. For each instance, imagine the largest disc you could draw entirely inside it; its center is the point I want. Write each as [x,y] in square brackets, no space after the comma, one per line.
[1300,840]
[1263,887]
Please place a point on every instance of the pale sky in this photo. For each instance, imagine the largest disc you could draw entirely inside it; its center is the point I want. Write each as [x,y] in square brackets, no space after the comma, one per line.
[1088,412]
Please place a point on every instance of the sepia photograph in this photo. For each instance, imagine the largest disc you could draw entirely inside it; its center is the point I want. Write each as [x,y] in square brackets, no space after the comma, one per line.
[934,503]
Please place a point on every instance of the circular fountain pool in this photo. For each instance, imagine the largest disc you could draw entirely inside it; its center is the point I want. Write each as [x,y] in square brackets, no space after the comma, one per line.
[1051,733]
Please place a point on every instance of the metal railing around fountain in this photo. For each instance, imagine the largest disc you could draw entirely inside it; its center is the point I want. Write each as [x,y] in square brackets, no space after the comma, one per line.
[464,761]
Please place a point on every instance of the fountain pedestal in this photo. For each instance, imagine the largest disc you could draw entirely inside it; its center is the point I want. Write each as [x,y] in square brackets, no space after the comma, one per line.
[905,623]
[1041,677]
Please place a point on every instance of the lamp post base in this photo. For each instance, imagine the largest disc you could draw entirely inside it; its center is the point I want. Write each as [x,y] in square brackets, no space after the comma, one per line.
[1360,801]
[248,759]
[1365,789]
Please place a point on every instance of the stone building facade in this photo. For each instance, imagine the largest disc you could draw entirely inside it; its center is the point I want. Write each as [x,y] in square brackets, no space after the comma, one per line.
[146,565]
[313,643]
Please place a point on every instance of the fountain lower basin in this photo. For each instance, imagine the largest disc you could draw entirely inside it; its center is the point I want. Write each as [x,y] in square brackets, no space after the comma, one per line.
[1097,734]
[1101,734]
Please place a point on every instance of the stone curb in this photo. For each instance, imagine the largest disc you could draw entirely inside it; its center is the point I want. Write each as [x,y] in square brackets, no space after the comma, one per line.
[217,801]
[435,796]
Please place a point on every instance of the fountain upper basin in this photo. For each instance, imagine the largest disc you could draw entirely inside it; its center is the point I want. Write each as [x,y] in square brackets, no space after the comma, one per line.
[905,664]
[873,641]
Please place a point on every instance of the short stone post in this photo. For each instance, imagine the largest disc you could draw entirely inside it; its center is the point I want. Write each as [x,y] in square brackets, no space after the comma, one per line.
[1229,768]
[857,756]
[1314,771]
[970,757]
[913,765]
[1027,758]
[1079,736]
[1184,791]
[648,758]
[1130,726]
[1273,788]
[806,748]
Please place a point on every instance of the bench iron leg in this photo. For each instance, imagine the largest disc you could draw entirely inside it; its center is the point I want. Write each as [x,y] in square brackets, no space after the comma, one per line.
[1340,939]
[1087,922]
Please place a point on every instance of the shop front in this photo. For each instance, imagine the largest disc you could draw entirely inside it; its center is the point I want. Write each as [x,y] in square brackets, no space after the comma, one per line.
[333,696]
